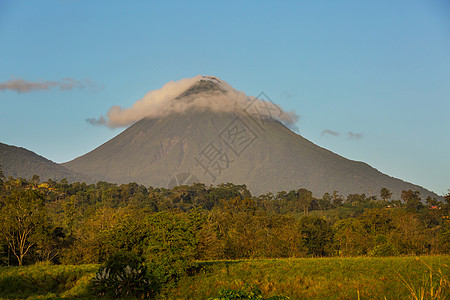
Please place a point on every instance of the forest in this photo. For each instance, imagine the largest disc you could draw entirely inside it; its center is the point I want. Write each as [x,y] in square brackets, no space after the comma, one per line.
[168,230]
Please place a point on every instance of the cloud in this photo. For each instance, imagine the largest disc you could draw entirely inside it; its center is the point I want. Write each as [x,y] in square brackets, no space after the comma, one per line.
[287,94]
[350,135]
[22,86]
[354,136]
[330,132]
[161,102]
[96,122]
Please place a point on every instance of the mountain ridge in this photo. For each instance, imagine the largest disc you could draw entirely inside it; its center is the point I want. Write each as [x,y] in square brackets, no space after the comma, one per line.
[21,162]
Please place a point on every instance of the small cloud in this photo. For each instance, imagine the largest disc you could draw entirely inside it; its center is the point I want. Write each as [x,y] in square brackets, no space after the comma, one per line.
[354,135]
[287,94]
[96,122]
[331,132]
[20,85]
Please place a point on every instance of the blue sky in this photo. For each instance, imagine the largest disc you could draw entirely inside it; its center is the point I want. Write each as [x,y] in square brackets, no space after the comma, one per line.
[375,72]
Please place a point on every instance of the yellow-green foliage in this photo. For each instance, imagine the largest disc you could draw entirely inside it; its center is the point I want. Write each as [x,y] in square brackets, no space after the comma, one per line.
[424,277]
[44,281]
[323,278]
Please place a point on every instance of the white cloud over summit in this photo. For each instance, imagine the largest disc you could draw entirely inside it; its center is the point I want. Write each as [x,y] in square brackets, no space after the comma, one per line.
[161,102]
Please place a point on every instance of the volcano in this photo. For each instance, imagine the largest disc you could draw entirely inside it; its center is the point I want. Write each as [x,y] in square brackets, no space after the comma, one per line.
[213,134]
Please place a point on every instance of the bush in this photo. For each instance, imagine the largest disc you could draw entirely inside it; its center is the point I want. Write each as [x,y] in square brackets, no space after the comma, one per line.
[117,262]
[168,254]
[124,274]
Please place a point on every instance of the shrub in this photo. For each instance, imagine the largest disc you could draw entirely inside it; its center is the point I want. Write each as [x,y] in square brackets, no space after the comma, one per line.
[117,262]
[168,254]
[123,274]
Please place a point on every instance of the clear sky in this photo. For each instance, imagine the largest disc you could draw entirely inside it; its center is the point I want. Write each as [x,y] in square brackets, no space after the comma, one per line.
[370,80]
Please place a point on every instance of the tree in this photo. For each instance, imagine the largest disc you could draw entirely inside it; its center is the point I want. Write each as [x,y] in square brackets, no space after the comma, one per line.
[325,202]
[409,235]
[316,235]
[1,175]
[304,197]
[50,242]
[228,191]
[432,202]
[447,201]
[237,205]
[385,194]
[170,245]
[351,237]
[337,199]
[412,200]
[21,215]
[447,197]
[35,179]
[377,221]
[356,199]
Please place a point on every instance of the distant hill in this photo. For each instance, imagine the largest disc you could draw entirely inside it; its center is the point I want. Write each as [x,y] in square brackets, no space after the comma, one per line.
[20,162]
[210,146]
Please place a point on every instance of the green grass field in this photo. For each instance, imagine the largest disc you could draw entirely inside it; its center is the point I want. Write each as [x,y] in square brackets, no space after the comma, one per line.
[43,281]
[323,278]
[306,278]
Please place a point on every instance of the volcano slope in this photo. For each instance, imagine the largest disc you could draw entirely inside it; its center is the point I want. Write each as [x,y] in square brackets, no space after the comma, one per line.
[240,144]
[20,162]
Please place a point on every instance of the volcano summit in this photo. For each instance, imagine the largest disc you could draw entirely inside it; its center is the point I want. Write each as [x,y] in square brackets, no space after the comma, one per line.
[202,130]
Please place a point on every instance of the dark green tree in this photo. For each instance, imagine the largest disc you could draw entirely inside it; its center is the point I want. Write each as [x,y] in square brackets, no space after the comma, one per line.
[304,198]
[432,202]
[356,199]
[377,221]
[412,200]
[385,194]
[2,176]
[325,202]
[170,246]
[337,199]
[351,237]
[447,201]
[316,235]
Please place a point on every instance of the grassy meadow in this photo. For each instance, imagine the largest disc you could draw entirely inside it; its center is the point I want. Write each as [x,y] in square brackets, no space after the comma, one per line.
[44,281]
[425,277]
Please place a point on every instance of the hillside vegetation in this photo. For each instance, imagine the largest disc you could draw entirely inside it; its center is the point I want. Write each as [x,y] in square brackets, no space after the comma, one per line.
[311,278]
[148,241]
